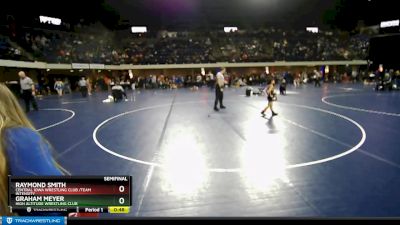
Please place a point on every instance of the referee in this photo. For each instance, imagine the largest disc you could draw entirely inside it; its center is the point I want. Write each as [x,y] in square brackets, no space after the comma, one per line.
[28,91]
[219,89]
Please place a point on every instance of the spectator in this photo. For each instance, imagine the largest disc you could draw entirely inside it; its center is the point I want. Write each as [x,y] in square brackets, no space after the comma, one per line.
[248,46]
[19,144]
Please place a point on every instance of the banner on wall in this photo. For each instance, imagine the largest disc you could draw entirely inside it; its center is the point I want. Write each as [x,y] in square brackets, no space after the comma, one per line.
[96,66]
[80,66]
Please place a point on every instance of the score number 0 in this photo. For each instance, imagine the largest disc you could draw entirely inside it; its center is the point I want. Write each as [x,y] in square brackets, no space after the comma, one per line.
[121,200]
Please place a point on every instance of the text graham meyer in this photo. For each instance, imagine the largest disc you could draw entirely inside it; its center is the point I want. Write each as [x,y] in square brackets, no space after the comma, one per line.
[40,184]
[39,198]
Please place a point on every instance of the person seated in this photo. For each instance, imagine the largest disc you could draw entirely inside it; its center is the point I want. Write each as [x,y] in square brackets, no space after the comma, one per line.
[387,82]
[384,83]
[118,92]
[239,83]
[194,88]
[112,83]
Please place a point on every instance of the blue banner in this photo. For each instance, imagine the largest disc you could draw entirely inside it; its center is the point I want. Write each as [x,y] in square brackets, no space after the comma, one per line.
[28,220]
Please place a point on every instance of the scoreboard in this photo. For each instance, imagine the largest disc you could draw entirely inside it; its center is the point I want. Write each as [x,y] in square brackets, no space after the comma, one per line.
[64,194]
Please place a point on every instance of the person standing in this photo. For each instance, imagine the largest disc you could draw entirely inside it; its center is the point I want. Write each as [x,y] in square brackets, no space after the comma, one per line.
[83,87]
[317,79]
[89,86]
[282,87]
[153,81]
[28,91]
[219,89]
[354,75]
[40,84]
[296,81]
[59,87]
[198,80]
[67,86]
[210,76]
[269,91]
[46,86]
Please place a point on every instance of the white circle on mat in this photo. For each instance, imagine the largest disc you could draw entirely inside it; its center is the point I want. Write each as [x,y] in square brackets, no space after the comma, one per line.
[232,170]
[58,123]
[324,100]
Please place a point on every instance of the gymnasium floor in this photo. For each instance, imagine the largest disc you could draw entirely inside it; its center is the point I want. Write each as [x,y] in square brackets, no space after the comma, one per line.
[332,151]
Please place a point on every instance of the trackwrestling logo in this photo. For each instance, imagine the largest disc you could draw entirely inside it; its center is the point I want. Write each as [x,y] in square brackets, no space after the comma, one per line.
[33,220]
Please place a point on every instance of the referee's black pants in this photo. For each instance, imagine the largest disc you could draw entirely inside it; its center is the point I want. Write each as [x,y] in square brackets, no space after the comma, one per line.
[219,96]
[29,98]
[84,91]
[317,82]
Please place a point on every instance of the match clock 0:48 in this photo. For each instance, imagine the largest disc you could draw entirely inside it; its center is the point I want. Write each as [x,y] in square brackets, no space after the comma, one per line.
[118,209]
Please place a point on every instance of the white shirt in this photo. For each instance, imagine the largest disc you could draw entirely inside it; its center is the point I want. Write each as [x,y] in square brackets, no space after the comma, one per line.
[220,80]
[118,87]
[82,83]
[26,83]
[317,74]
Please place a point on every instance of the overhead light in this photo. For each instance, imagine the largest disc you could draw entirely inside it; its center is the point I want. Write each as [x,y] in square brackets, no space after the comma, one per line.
[71,71]
[48,70]
[98,71]
[312,29]
[391,23]
[51,20]
[139,29]
[230,29]
[80,70]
